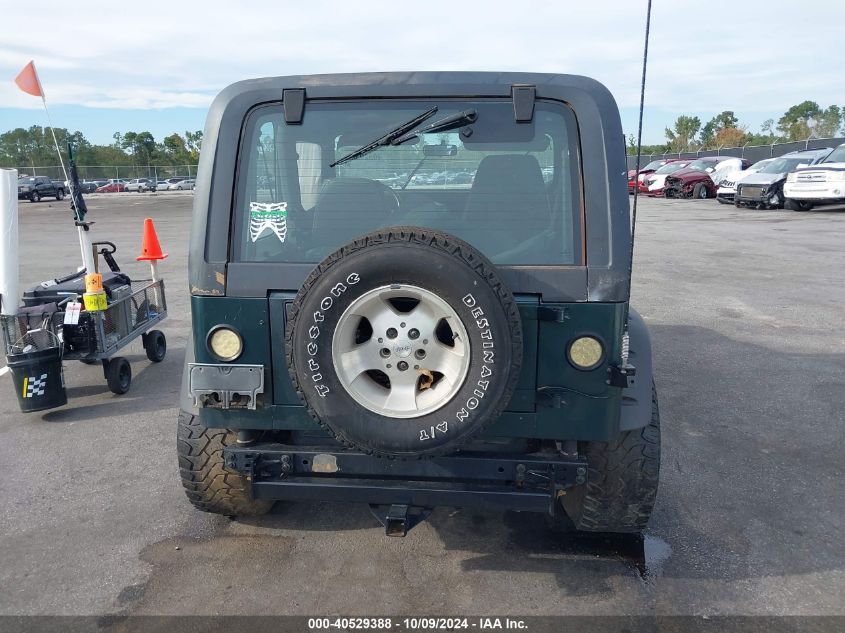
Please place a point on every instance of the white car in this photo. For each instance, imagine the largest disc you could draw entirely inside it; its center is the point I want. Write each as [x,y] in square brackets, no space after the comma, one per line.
[655,181]
[725,167]
[823,183]
[727,187]
[139,185]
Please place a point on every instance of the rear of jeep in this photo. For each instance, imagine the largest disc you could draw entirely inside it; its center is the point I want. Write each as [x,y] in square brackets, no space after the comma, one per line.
[411,290]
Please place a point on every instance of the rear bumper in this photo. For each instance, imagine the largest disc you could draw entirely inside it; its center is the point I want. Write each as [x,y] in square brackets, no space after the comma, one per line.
[529,483]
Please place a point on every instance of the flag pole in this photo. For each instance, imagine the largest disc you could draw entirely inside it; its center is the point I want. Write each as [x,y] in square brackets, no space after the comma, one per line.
[82,229]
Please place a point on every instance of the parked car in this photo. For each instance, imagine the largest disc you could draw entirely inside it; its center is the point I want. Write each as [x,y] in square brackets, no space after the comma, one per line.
[140,185]
[764,190]
[84,185]
[695,180]
[182,185]
[163,184]
[634,178]
[113,187]
[88,186]
[653,184]
[727,185]
[823,183]
[33,188]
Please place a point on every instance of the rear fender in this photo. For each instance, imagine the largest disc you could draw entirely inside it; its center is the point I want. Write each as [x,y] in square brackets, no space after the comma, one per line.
[636,399]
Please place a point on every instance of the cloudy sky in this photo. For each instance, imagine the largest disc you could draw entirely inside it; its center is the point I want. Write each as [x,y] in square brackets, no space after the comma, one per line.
[157,65]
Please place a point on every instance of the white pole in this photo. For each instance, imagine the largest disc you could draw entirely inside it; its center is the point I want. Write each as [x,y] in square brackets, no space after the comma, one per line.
[9,265]
[84,241]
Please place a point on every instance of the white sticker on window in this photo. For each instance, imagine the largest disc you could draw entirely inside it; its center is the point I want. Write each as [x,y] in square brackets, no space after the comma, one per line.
[272,216]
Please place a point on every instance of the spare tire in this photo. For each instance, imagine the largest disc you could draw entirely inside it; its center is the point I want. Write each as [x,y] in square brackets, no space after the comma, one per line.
[404,342]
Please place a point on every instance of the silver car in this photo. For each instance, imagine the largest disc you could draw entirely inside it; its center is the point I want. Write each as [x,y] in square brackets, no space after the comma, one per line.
[183,185]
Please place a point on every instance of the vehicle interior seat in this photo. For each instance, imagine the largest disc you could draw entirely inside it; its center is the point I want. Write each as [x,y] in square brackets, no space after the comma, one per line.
[507,204]
[349,206]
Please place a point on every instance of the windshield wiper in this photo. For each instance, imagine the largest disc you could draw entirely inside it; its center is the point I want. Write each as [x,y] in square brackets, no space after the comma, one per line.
[387,138]
[446,123]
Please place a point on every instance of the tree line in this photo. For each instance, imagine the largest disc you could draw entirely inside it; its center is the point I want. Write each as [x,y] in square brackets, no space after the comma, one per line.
[34,147]
[800,122]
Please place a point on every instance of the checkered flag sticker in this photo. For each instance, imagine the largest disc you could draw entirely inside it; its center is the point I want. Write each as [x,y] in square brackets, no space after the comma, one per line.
[268,216]
[36,386]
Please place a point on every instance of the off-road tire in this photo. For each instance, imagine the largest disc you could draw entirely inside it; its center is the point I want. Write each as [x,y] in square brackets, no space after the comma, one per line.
[622,478]
[439,263]
[208,485]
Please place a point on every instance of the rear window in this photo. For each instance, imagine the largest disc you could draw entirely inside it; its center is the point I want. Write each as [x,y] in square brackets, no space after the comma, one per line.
[702,165]
[509,189]
[837,155]
[668,168]
[783,165]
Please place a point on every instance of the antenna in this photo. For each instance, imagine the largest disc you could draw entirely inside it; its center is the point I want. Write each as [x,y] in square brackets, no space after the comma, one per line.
[636,189]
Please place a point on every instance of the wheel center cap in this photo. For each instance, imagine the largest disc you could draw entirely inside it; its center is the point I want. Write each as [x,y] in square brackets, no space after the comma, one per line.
[402,349]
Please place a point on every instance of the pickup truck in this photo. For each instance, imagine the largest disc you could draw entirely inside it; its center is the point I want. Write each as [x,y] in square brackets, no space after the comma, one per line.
[34,188]
[822,183]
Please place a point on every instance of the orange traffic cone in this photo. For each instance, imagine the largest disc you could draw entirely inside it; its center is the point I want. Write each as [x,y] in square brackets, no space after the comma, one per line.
[150,248]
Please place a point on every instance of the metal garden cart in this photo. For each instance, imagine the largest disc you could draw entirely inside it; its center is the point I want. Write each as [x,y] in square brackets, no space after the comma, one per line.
[40,337]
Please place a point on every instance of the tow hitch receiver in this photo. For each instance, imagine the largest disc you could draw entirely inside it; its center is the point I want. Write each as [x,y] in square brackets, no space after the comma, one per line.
[398,518]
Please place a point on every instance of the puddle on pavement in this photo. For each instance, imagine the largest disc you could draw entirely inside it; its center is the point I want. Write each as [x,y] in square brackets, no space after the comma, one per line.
[646,554]
[656,552]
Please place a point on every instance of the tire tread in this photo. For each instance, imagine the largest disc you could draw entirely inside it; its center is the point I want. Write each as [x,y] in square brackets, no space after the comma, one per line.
[207,483]
[622,480]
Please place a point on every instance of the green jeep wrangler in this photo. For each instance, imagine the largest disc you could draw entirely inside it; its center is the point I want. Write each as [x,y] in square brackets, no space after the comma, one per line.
[411,290]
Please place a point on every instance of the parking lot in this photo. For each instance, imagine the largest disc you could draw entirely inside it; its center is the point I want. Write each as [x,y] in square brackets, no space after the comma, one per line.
[745,309]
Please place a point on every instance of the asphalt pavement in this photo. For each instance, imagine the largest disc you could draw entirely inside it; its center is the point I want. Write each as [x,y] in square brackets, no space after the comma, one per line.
[746,314]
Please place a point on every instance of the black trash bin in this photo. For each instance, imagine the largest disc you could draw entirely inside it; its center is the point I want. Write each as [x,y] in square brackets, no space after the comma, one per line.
[38,378]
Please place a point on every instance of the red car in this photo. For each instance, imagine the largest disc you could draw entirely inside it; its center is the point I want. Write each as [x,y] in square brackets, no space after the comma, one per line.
[696,181]
[115,187]
[652,167]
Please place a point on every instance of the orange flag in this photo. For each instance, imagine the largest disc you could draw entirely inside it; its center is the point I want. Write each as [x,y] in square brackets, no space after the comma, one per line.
[28,81]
